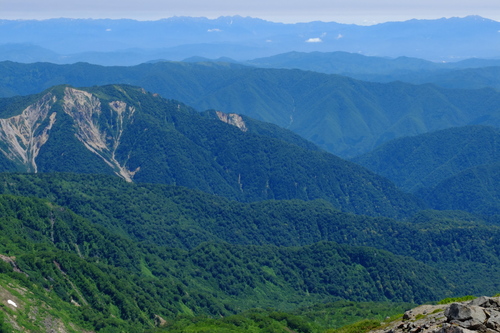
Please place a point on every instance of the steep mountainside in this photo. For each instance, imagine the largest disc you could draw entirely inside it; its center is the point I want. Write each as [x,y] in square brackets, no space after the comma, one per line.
[450,242]
[452,169]
[342,115]
[139,257]
[474,190]
[59,270]
[142,137]
[426,160]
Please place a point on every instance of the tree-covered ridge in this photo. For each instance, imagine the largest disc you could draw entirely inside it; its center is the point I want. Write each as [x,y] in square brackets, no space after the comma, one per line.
[182,218]
[142,137]
[185,218]
[99,279]
[474,190]
[450,169]
[471,73]
[427,159]
[344,116]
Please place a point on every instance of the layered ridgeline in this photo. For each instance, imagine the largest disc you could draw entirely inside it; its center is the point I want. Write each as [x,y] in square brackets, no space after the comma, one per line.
[142,137]
[457,168]
[59,271]
[466,74]
[451,242]
[138,257]
[348,64]
[125,41]
[342,115]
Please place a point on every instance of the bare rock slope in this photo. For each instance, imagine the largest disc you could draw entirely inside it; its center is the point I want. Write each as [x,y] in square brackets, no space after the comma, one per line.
[479,315]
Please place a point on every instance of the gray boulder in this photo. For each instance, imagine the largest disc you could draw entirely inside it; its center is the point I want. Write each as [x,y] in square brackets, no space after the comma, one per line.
[481,315]
[486,302]
[454,329]
[493,321]
[467,316]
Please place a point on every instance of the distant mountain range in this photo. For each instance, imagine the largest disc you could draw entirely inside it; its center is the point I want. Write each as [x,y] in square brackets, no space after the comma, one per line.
[129,42]
[472,73]
[344,116]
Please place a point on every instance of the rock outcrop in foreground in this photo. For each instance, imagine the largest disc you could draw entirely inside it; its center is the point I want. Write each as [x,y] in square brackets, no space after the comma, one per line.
[479,315]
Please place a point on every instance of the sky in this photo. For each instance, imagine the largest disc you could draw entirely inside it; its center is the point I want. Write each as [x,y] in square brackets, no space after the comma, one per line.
[364,12]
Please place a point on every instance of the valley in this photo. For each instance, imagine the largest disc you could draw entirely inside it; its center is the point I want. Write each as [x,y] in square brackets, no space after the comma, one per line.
[302,191]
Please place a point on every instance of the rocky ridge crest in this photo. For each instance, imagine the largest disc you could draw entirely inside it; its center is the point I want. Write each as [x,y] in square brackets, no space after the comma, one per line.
[479,315]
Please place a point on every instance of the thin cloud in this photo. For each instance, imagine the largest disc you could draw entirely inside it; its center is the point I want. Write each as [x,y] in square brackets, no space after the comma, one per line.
[314,40]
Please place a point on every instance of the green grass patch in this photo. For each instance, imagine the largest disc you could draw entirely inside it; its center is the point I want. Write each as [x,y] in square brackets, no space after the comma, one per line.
[457,299]
[359,327]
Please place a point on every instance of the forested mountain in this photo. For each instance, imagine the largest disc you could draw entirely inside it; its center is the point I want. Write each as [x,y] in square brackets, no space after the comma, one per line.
[342,115]
[352,64]
[468,78]
[425,160]
[99,280]
[142,137]
[130,42]
[185,219]
[456,168]
[474,190]
[139,254]
[123,209]
[344,63]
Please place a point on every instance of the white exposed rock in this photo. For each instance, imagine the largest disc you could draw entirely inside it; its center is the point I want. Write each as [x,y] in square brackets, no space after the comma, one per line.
[85,109]
[22,136]
[232,119]
[11,302]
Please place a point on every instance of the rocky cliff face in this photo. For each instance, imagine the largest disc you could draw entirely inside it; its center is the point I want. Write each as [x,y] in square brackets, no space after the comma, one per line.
[22,136]
[232,119]
[99,128]
[142,137]
[100,133]
[479,315]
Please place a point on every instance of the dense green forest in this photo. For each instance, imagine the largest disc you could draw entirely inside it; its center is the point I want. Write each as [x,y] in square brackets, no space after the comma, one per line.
[425,160]
[185,219]
[99,279]
[452,169]
[106,254]
[474,190]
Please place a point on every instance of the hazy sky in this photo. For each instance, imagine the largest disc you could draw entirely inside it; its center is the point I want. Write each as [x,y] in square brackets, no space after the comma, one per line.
[343,11]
